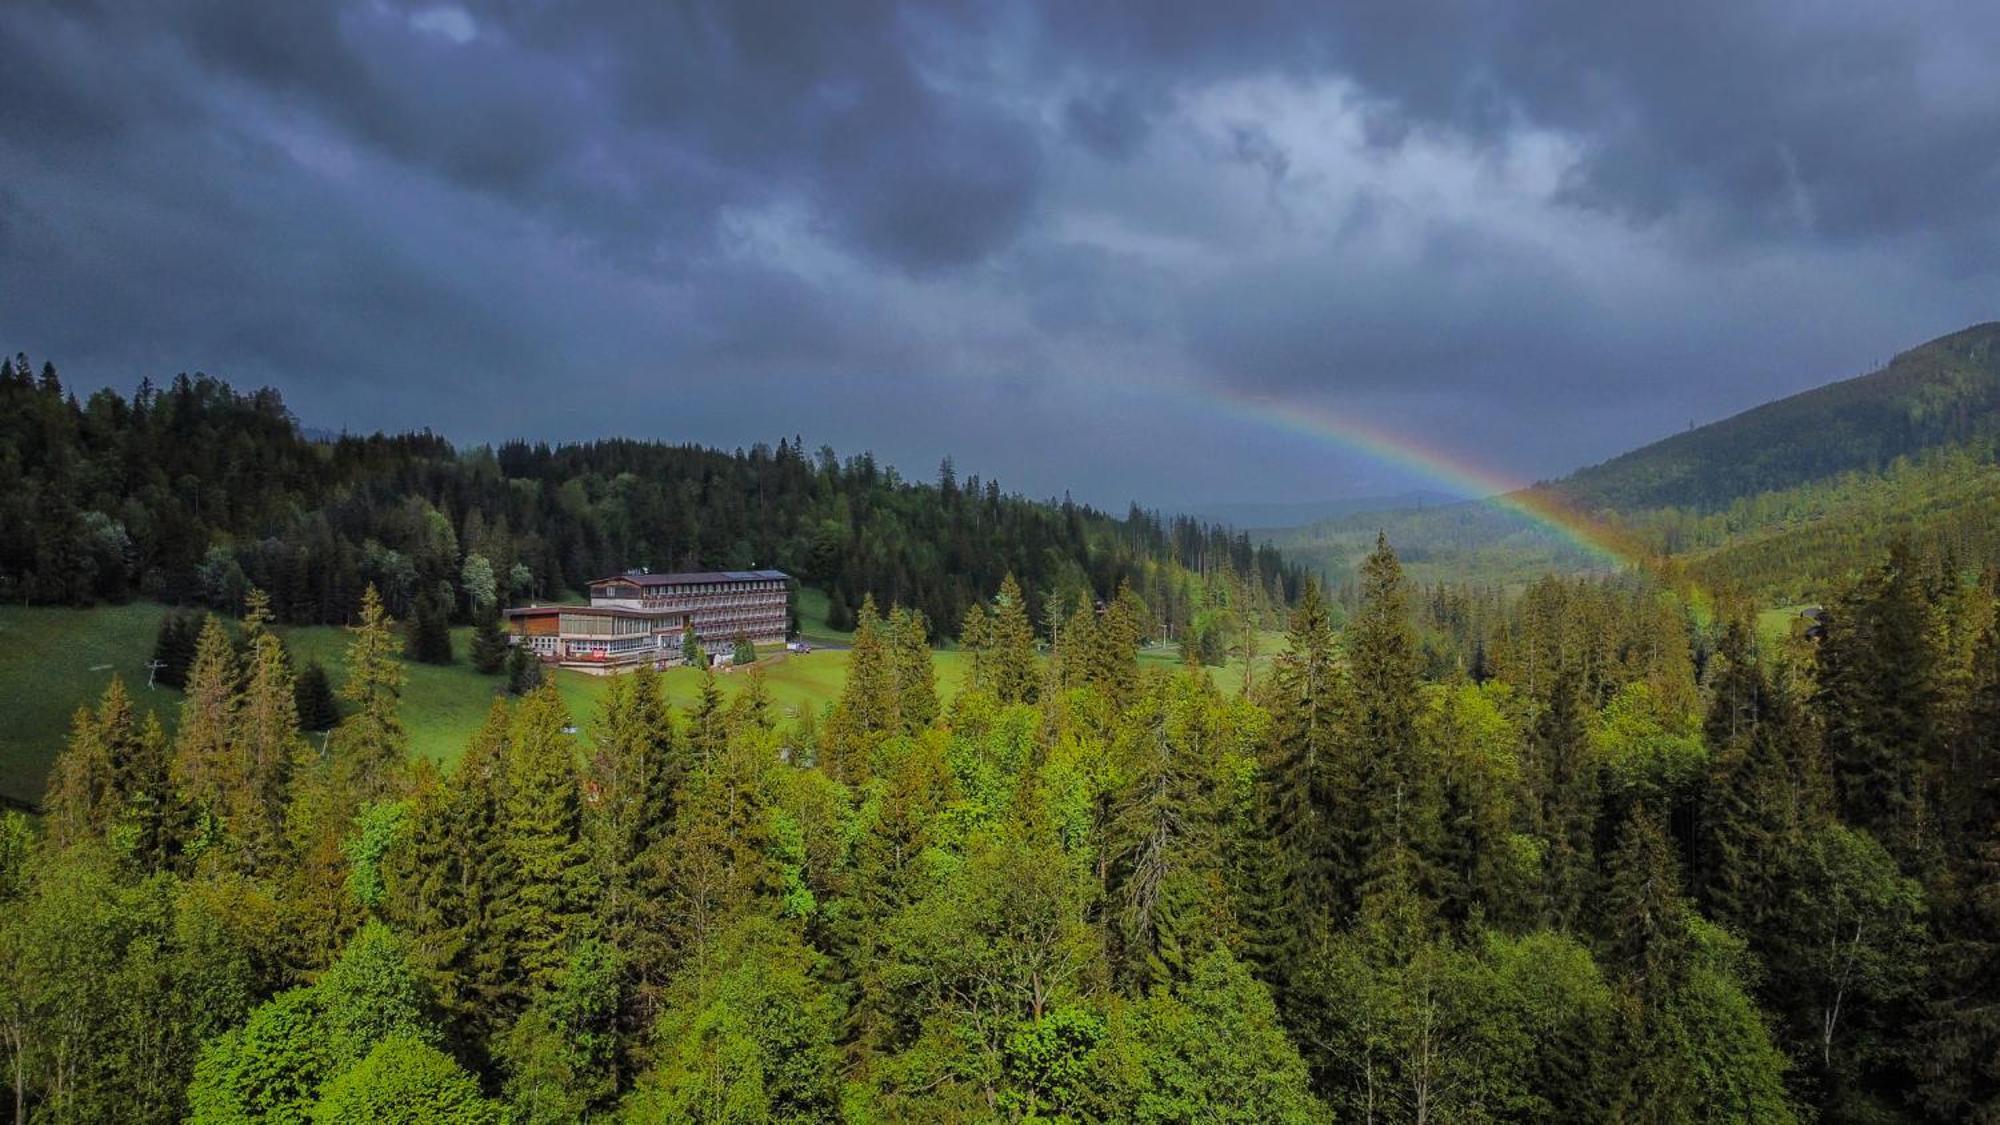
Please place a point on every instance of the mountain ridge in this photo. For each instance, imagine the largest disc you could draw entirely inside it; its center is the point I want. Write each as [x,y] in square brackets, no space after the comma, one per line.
[1945,391]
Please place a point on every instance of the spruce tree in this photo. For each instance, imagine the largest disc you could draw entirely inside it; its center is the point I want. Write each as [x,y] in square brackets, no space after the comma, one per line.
[708,723]
[1644,919]
[1114,662]
[370,745]
[318,707]
[1566,782]
[542,836]
[489,642]
[429,637]
[632,778]
[1879,696]
[1072,657]
[867,710]
[82,798]
[1164,842]
[753,706]
[267,741]
[173,648]
[1011,672]
[524,671]
[1309,703]
[155,822]
[207,770]
[445,885]
[1395,806]
[975,637]
[915,681]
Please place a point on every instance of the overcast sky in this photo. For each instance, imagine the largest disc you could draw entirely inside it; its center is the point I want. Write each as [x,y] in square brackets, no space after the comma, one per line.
[1037,237]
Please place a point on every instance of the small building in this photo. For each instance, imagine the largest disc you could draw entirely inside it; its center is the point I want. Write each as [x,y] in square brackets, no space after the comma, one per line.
[638,618]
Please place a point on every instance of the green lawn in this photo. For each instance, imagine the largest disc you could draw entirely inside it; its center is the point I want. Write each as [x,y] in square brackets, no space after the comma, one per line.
[812,618]
[54,660]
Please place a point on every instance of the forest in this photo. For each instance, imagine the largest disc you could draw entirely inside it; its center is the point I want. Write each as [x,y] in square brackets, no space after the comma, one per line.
[1580,854]
[194,493]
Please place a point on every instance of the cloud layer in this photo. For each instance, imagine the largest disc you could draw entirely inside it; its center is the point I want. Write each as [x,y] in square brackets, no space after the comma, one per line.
[1037,237]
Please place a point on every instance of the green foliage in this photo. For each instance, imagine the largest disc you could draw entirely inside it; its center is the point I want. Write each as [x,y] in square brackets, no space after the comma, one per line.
[747,1037]
[318,709]
[427,637]
[542,838]
[379,828]
[270,1069]
[489,641]
[561,1055]
[1212,1050]
[402,1080]
[173,648]
[275,1067]
[524,671]
[1576,885]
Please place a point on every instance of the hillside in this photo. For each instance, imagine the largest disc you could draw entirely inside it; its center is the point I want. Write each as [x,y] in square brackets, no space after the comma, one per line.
[1944,392]
[1779,501]
[193,492]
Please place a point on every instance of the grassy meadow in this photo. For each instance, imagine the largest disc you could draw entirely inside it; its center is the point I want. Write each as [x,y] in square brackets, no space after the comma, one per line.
[54,660]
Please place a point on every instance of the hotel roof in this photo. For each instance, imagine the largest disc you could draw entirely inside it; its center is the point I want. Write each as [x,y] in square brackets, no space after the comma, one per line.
[694,577]
[589,611]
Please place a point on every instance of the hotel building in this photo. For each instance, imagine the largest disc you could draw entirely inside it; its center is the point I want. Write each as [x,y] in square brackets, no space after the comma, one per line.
[637,618]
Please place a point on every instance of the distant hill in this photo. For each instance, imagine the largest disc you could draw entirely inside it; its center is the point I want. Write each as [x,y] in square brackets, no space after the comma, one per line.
[1942,393]
[1781,500]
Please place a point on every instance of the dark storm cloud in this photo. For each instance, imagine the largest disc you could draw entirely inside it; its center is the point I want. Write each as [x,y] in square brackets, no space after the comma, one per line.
[1555,229]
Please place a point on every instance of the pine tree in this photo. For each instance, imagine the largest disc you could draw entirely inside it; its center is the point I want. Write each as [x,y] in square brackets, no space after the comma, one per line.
[1115,657]
[1566,781]
[173,648]
[542,836]
[867,710]
[975,637]
[1309,711]
[370,745]
[631,783]
[1396,802]
[1879,695]
[1011,665]
[207,770]
[82,800]
[267,741]
[708,723]
[446,883]
[524,671]
[915,681]
[318,708]
[489,641]
[429,637]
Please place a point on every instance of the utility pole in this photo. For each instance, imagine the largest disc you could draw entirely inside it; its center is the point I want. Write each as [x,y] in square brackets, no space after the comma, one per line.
[153,669]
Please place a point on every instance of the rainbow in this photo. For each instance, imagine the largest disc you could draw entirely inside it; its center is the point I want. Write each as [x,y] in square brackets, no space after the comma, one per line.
[1540,505]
